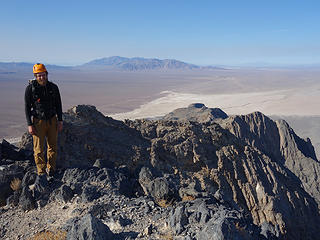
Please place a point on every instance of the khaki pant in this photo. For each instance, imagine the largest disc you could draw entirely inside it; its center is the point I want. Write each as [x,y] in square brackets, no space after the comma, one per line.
[48,129]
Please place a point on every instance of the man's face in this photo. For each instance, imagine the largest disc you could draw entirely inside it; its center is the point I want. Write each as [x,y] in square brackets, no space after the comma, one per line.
[41,78]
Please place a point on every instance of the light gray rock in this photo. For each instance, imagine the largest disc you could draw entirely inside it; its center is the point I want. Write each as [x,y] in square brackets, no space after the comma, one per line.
[145,178]
[89,228]
[269,231]
[178,220]
[224,225]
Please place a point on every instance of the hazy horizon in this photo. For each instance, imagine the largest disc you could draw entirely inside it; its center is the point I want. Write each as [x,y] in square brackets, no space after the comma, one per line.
[240,65]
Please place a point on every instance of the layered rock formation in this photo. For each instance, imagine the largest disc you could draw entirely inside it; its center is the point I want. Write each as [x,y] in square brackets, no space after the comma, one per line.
[278,141]
[202,175]
[243,175]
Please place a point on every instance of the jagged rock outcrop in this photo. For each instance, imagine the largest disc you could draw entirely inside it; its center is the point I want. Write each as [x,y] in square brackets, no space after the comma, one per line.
[9,151]
[243,175]
[277,140]
[196,112]
[247,164]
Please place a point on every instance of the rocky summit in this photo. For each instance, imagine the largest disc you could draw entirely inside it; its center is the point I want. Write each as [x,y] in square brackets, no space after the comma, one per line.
[196,174]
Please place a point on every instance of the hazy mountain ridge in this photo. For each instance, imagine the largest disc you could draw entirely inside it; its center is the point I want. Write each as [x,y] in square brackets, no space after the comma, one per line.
[12,67]
[139,64]
[114,63]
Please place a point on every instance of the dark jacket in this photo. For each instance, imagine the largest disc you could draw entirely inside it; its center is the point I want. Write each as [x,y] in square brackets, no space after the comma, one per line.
[42,102]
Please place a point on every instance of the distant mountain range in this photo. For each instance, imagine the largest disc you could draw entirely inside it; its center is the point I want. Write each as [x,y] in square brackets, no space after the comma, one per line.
[13,67]
[138,64]
[114,63]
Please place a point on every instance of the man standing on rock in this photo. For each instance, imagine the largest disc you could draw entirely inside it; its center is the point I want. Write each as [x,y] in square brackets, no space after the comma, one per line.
[43,107]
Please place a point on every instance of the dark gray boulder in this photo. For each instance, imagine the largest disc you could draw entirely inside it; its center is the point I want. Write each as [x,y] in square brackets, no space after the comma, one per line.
[26,200]
[64,194]
[224,225]
[160,188]
[89,193]
[117,179]
[9,151]
[145,177]
[89,228]
[101,210]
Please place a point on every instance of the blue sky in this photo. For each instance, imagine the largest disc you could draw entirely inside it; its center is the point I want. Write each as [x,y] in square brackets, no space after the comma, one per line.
[201,32]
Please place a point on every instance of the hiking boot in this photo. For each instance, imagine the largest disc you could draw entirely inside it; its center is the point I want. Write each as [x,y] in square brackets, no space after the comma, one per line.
[41,180]
[41,185]
[52,175]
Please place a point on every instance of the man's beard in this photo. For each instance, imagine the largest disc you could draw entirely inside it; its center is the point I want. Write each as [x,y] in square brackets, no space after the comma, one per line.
[43,82]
